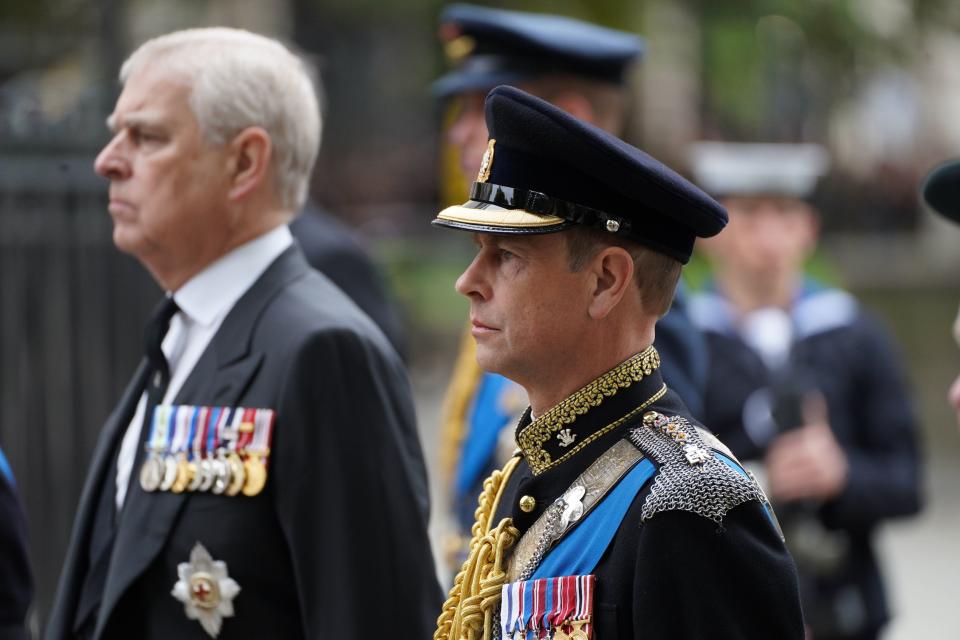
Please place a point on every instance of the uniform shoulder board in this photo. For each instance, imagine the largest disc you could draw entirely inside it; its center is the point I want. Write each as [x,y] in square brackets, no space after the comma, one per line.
[696,472]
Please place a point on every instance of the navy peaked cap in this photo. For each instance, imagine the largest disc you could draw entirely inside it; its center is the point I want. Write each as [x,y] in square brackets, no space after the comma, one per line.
[941,190]
[494,46]
[546,171]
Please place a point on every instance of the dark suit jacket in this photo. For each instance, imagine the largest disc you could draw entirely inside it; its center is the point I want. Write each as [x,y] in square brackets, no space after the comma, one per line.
[336,544]
[16,584]
[332,249]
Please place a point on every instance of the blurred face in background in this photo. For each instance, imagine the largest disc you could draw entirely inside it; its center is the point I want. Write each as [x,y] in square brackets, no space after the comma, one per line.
[468,132]
[768,238]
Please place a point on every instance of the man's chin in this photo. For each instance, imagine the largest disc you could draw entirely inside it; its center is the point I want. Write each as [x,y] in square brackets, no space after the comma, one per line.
[488,360]
[126,239]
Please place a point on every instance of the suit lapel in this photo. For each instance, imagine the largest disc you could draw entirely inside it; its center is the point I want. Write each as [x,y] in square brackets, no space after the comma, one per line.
[221,376]
[62,618]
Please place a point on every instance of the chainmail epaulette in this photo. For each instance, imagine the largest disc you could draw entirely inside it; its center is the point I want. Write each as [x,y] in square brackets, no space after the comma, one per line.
[690,477]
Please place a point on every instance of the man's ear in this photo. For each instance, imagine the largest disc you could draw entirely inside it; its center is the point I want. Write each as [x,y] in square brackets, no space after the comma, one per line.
[250,154]
[612,276]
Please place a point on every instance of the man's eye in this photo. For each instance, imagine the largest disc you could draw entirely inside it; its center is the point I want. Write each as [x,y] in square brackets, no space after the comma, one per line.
[140,136]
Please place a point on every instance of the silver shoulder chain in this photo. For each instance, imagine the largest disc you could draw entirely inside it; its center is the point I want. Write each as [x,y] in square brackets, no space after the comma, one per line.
[547,537]
[690,477]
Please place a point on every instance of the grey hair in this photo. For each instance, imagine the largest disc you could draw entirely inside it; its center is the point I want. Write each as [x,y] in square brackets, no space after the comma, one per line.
[240,79]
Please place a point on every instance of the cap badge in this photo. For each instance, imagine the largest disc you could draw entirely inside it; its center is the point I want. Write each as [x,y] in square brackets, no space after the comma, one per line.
[457,47]
[487,163]
[205,590]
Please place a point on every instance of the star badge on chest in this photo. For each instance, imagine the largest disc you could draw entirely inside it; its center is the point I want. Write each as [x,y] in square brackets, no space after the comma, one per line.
[205,590]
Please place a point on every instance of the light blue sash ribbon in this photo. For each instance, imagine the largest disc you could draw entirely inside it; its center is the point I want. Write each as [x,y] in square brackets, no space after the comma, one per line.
[581,550]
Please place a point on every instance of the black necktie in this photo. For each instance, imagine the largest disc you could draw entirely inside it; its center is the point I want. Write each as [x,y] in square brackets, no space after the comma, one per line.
[159,376]
[105,520]
[152,341]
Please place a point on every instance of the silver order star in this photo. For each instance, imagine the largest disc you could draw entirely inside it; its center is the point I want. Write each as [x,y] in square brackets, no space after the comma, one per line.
[573,500]
[205,590]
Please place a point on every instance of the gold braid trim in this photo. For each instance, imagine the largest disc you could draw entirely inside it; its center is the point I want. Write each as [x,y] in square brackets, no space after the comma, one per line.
[531,437]
[463,384]
[469,610]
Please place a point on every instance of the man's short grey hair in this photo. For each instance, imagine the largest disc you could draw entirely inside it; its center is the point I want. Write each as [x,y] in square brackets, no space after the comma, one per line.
[240,79]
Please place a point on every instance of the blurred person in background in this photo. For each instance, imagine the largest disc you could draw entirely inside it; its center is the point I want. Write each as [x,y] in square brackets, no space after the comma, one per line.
[337,252]
[941,192]
[804,383]
[261,476]
[619,516]
[583,69]
[334,250]
[16,582]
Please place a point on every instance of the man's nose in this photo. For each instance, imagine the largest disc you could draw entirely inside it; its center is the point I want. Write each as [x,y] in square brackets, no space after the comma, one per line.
[471,282]
[110,162]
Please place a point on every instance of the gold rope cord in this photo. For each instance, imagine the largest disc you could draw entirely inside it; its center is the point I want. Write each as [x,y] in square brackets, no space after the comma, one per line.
[469,610]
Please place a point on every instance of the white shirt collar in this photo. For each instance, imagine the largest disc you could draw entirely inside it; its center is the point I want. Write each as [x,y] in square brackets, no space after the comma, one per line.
[210,294]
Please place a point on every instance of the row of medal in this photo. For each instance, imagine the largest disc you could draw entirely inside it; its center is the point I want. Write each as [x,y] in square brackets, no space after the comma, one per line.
[223,450]
[557,608]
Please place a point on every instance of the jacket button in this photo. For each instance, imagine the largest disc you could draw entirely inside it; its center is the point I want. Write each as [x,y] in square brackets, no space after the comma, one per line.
[527,504]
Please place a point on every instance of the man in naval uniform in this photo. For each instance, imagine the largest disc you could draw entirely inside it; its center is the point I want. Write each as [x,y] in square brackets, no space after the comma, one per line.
[620,516]
[805,384]
[941,192]
[583,69]
[244,484]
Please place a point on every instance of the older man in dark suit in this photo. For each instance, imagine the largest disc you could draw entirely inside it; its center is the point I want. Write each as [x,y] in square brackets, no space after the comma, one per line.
[243,486]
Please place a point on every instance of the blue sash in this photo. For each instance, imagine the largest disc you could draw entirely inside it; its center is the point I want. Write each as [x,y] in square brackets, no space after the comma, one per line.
[581,550]
[5,469]
[487,420]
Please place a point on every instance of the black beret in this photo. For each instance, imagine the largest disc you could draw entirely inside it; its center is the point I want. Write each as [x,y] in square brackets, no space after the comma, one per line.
[495,46]
[941,190]
[545,171]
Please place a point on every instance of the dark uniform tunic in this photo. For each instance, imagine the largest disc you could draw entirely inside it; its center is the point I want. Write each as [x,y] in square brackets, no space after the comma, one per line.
[850,360]
[677,574]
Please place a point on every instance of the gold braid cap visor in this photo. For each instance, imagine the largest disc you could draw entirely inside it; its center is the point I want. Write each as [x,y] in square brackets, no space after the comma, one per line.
[483,216]
[498,208]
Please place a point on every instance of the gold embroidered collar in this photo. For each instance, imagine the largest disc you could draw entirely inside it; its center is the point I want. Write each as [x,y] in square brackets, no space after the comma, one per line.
[553,437]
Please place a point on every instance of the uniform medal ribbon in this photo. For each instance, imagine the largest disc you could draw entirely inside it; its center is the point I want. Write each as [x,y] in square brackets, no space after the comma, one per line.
[176,429]
[185,425]
[258,456]
[151,473]
[559,608]
[226,429]
[198,430]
